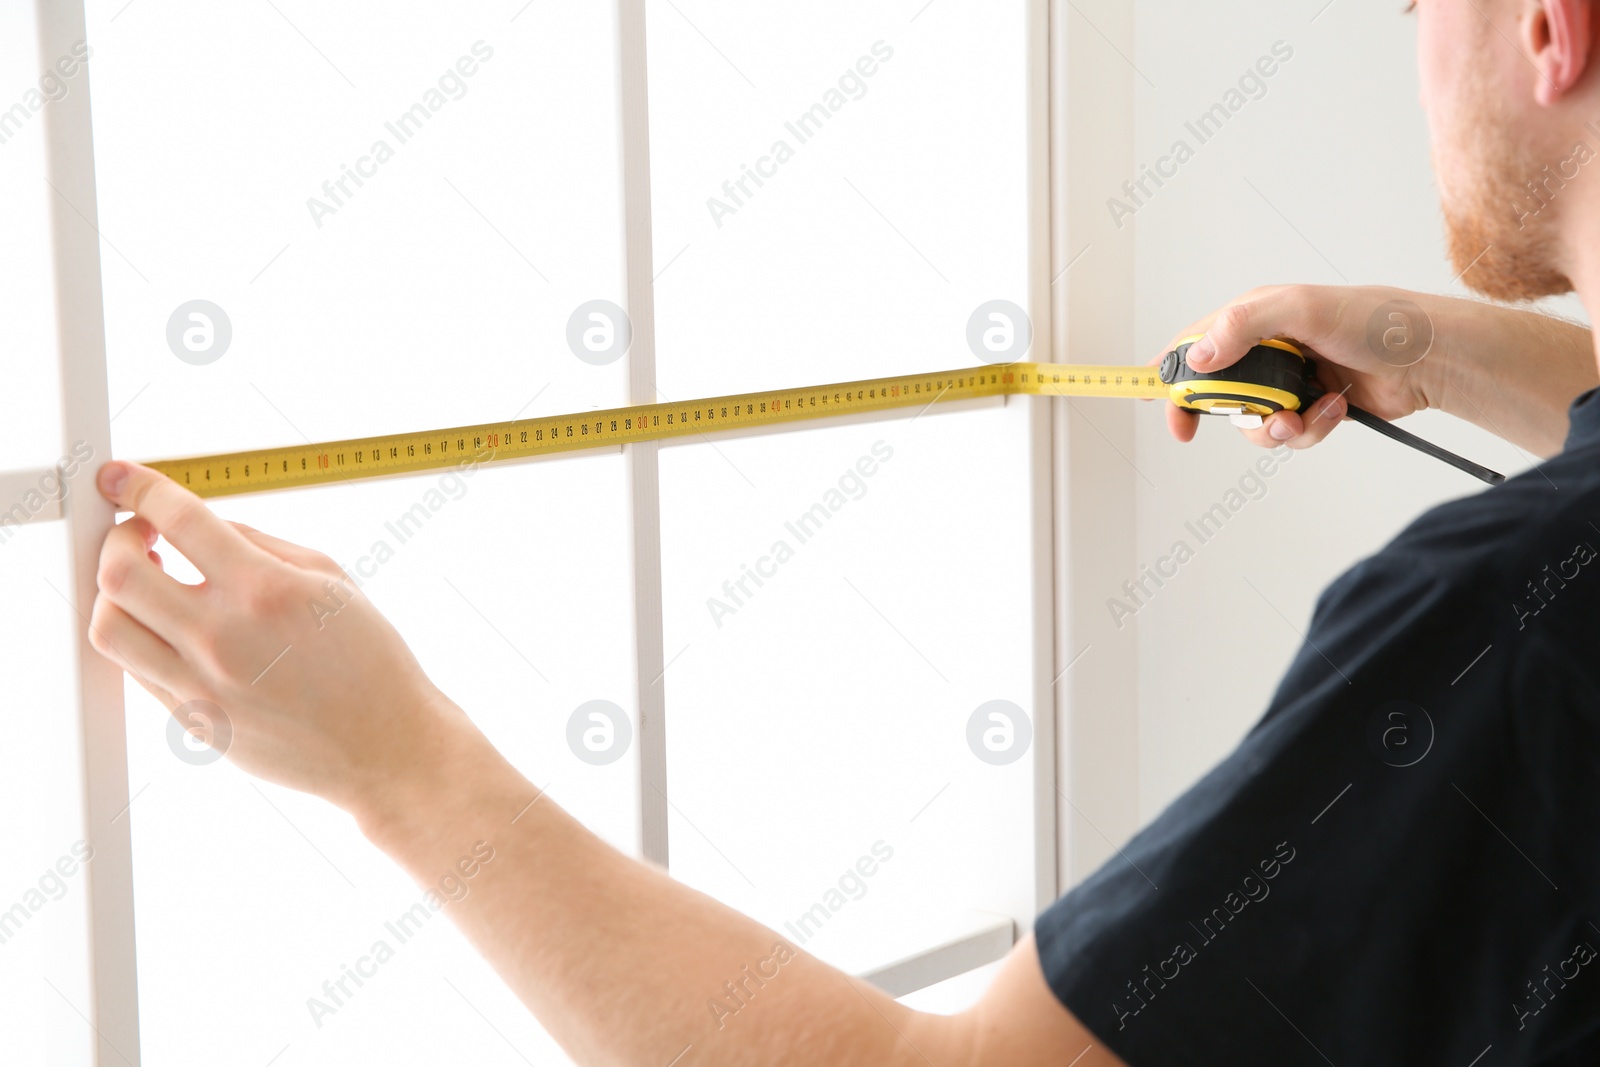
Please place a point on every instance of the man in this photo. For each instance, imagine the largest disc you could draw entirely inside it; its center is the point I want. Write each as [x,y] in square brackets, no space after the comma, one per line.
[1327,894]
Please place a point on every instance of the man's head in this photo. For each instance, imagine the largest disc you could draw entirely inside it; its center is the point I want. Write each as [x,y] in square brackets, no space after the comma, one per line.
[1509,89]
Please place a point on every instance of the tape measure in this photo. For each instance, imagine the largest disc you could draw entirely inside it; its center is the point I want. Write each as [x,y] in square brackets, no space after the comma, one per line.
[1273,376]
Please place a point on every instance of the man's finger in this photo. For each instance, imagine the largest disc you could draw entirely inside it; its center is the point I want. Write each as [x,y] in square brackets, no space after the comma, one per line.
[132,646]
[210,544]
[129,578]
[1182,424]
[1189,421]
[1279,427]
[1319,420]
[1261,436]
[1201,325]
[1282,427]
[1239,327]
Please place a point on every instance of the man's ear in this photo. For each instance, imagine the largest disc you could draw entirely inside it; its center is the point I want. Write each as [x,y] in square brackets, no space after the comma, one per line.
[1558,37]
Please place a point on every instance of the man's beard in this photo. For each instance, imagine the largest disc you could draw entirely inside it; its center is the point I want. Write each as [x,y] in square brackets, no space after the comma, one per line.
[1501,236]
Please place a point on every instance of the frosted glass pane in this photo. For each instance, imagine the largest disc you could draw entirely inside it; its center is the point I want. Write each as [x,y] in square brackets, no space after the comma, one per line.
[30,428]
[428,231]
[837,187]
[43,880]
[838,604]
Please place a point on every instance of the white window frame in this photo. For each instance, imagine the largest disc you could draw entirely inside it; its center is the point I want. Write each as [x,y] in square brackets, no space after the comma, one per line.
[1080,89]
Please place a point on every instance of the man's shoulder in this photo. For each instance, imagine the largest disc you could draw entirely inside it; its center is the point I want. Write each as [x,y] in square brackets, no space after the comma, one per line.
[1500,556]
[1545,515]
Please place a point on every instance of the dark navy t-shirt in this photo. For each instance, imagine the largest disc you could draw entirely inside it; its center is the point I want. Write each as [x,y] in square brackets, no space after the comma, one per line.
[1400,864]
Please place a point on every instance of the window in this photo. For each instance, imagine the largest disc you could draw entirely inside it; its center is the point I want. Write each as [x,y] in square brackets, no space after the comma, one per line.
[391,219]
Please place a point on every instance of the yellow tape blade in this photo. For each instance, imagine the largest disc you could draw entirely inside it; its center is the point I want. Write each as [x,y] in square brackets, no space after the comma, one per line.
[466,446]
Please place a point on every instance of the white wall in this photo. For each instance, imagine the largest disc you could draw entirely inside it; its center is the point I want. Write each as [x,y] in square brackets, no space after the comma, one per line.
[1338,145]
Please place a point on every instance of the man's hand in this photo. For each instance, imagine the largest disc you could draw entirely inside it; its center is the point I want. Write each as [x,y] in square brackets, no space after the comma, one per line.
[1394,352]
[316,690]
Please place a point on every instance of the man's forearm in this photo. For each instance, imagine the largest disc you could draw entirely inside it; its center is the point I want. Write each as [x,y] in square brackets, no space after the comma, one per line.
[1510,371]
[619,962]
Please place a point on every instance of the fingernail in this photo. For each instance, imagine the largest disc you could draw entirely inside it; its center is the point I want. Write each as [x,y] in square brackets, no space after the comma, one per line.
[113,476]
[1279,430]
[1201,350]
[1333,409]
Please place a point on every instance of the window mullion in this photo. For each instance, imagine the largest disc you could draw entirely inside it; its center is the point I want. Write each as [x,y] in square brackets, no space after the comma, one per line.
[643,459]
[110,1001]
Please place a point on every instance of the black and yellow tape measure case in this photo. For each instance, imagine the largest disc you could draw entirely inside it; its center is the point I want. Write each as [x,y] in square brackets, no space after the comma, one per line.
[1273,376]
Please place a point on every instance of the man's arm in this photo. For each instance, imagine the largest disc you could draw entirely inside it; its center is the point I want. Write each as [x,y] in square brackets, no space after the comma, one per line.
[624,965]
[618,961]
[1511,371]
